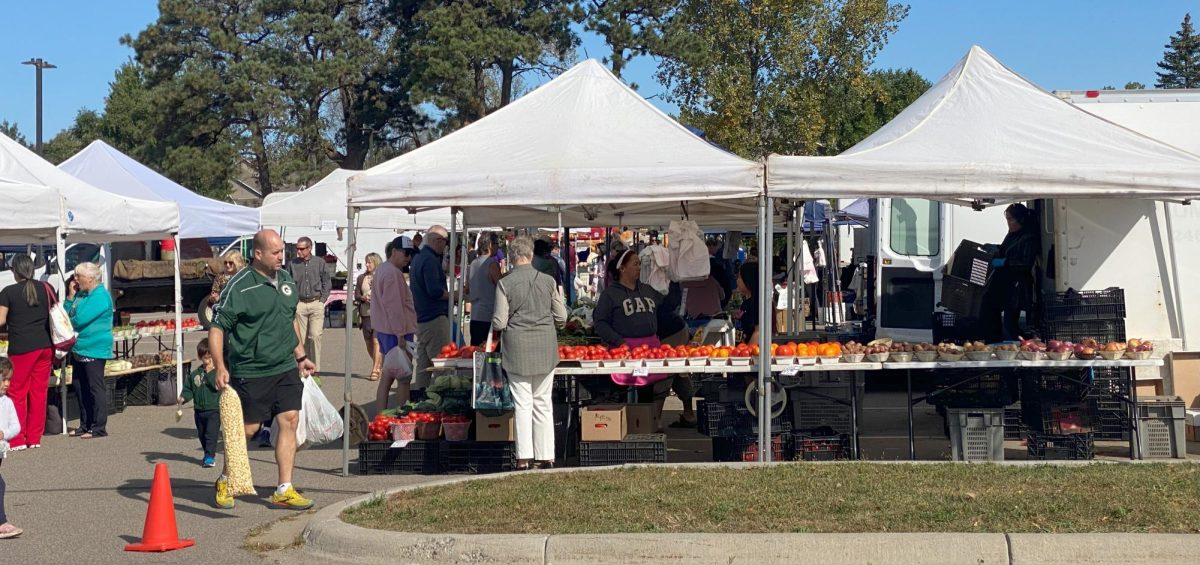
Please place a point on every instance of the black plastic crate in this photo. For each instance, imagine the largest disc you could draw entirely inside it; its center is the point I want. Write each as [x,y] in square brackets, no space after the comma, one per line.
[987,391]
[644,448]
[821,444]
[961,296]
[1051,388]
[948,326]
[710,388]
[1066,419]
[566,431]
[140,389]
[565,390]
[810,411]
[1064,446]
[745,448]
[726,419]
[116,396]
[971,262]
[1103,331]
[1012,422]
[416,458]
[1083,305]
[475,457]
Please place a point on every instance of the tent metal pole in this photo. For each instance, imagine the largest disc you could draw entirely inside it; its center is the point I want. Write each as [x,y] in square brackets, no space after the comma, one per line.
[1175,280]
[765,307]
[466,276]
[347,396]
[60,243]
[454,331]
[178,322]
[789,290]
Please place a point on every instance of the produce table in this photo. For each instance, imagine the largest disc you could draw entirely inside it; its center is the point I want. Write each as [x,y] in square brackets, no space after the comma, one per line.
[571,368]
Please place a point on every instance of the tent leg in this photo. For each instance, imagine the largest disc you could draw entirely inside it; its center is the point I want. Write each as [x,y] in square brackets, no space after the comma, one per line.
[454,331]
[352,227]
[1175,279]
[765,318]
[178,325]
[60,243]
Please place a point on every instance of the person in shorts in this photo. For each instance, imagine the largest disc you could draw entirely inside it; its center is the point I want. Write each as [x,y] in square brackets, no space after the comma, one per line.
[256,347]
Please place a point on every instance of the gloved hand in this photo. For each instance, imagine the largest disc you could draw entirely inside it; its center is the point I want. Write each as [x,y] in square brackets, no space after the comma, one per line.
[997,262]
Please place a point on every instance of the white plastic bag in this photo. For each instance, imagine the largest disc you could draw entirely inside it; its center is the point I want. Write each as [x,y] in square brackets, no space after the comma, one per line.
[688,252]
[319,419]
[320,422]
[396,364]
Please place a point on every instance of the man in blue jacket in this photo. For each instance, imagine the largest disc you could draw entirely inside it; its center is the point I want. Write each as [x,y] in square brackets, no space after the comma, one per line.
[427,279]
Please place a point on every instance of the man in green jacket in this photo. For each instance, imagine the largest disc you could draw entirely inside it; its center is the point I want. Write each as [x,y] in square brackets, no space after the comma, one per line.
[257,350]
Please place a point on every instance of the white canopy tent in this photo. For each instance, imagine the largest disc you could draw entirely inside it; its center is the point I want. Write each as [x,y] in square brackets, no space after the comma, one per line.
[102,166]
[985,132]
[32,212]
[584,147]
[325,201]
[90,214]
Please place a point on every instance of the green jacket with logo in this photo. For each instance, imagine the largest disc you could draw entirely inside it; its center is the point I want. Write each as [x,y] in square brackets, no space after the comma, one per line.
[257,316]
[201,386]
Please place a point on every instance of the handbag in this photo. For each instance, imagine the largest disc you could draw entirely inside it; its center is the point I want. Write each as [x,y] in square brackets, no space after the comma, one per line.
[492,390]
[62,334]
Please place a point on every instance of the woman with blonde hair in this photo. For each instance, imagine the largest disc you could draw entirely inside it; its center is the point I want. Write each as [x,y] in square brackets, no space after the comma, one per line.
[233,262]
[362,299]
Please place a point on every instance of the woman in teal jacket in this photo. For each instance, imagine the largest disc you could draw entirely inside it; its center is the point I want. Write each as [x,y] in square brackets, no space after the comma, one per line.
[91,310]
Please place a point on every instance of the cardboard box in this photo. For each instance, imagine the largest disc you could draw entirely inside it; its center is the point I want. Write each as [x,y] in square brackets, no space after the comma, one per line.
[603,422]
[1150,388]
[1185,375]
[494,428]
[639,419]
[1193,432]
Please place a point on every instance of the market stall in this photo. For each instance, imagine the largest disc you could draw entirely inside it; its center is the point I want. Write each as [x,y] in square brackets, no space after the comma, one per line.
[585,146]
[88,214]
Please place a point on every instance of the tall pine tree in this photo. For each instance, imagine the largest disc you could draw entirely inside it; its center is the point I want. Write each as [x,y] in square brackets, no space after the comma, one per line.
[1181,61]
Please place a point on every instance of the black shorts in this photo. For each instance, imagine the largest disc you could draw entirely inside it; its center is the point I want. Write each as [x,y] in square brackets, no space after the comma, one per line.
[263,398]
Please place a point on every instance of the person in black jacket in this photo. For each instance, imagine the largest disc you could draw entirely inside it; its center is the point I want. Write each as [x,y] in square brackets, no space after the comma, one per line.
[1010,288]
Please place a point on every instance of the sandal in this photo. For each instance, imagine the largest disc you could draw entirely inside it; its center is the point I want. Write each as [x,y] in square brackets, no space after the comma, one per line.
[86,435]
[374,376]
[7,530]
[544,464]
[524,464]
[78,432]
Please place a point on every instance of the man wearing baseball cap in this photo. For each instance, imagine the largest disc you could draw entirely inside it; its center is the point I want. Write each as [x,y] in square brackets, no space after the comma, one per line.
[393,316]
[427,278]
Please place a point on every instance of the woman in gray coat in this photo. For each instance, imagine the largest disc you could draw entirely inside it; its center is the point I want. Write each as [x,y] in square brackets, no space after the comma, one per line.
[528,305]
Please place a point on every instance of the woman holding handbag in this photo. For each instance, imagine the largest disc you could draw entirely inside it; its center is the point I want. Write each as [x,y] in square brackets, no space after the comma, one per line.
[25,308]
[91,310]
[528,306]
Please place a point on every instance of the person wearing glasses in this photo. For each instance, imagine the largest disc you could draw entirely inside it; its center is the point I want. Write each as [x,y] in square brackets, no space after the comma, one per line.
[233,262]
[312,277]
[427,279]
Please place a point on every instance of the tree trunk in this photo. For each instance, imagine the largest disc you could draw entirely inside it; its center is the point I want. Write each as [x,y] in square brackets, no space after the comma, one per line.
[261,159]
[358,141]
[506,82]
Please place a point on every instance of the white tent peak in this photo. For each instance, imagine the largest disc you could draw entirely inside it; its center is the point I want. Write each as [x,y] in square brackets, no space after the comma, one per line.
[104,167]
[325,201]
[584,137]
[91,214]
[984,131]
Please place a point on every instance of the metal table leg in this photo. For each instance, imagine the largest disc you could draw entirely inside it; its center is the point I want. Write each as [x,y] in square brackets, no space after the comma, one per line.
[854,415]
[1135,446]
[912,444]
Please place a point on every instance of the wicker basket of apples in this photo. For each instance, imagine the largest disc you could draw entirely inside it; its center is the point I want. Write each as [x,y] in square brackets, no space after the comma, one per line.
[1139,349]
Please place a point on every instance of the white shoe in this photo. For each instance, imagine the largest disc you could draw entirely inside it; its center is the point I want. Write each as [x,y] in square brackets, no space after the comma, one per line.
[19,448]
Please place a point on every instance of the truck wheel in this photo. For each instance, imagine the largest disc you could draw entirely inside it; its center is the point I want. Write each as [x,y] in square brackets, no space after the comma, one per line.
[204,312]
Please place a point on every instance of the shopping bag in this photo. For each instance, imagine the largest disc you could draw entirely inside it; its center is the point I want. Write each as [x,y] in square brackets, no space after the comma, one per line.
[237,460]
[320,420]
[490,383]
[396,364]
[62,334]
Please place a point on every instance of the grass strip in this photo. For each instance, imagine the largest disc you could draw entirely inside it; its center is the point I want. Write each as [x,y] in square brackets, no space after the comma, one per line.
[852,497]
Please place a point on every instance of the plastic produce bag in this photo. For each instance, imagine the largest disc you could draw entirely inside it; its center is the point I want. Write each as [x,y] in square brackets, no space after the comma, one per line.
[396,364]
[492,389]
[689,259]
[233,429]
[318,417]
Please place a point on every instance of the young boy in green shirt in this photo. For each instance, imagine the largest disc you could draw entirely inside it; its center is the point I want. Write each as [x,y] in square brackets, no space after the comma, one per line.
[201,386]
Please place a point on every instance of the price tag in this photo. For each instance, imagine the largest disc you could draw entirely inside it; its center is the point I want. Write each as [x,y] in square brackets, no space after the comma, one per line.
[328,225]
[398,444]
[641,371]
[791,370]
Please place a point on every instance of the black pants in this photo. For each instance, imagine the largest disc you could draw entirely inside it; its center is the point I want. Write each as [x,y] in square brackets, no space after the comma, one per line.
[208,427]
[479,331]
[92,393]
[3,516]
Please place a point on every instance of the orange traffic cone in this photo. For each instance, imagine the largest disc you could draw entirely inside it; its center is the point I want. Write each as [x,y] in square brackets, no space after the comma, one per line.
[160,532]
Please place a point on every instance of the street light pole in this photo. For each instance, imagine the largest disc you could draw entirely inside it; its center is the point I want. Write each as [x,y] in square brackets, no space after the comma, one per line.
[39,64]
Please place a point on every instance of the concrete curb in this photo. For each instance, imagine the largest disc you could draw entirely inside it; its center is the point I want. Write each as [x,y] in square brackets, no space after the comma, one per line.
[329,538]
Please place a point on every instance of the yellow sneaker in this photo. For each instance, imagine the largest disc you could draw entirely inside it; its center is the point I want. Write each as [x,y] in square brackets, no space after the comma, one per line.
[224,500]
[290,499]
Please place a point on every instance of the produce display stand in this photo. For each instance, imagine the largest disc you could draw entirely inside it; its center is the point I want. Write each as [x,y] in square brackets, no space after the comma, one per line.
[123,347]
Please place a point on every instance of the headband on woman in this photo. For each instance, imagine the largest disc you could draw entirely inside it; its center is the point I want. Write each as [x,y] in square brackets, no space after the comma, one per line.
[621,259]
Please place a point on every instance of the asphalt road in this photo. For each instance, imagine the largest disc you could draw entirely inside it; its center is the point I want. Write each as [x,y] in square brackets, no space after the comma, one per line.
[83,500]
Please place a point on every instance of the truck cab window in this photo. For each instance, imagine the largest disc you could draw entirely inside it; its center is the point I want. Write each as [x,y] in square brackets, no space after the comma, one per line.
[915,226]
[81,252]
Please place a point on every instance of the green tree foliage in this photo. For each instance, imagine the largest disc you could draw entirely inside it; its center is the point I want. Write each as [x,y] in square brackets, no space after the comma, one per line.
[776,76]
[632,28]
[13,132]
[473,51]
[1134,85]
[884,94]
[1181,61]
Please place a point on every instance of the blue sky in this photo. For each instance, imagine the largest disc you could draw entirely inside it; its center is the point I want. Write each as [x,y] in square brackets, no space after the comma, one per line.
[1060,45]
